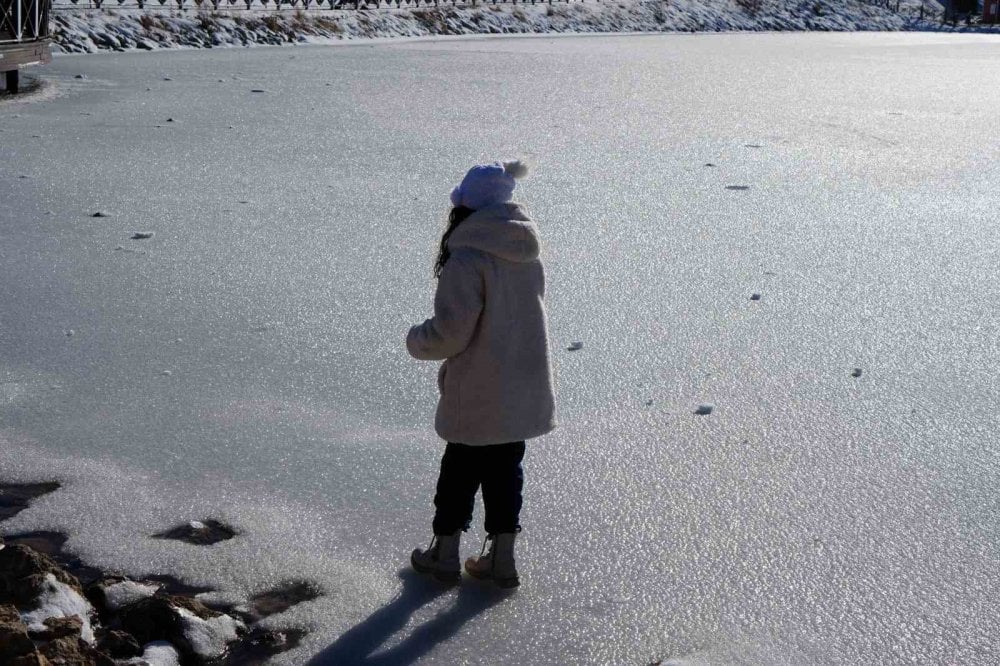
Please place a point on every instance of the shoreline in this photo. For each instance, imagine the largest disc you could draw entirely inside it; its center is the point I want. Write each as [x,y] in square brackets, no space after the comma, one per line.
[53,605]
[129,29]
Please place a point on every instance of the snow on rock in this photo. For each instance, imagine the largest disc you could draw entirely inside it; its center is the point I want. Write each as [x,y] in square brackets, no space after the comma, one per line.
[128,29]
[208,638]
[58,599]
[119,595]
[157,653]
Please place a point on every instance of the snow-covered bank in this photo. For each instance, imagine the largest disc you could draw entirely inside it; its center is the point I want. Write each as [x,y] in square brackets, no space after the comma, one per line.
[96,30]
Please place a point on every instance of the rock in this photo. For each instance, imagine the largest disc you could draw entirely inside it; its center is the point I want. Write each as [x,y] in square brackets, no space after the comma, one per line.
[170,120]
[258,90]
[31,659]
[14,640]
[575,346]
[200,533]
[704,409]
[100,213]
[119,644]
[74,652]
[754,297]
[78,76]
[856,372]
[156,618]
[22,574]
[141,235]
[737,188]
[59,627]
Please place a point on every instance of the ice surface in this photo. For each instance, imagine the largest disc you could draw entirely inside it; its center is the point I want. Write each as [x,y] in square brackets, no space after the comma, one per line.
[59,600]
[119,595]
[815,518]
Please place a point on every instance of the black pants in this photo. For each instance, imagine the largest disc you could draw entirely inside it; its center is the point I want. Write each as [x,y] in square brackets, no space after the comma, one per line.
[497,468]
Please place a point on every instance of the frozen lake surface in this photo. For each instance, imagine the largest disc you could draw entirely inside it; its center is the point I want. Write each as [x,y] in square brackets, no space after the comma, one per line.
[247,362]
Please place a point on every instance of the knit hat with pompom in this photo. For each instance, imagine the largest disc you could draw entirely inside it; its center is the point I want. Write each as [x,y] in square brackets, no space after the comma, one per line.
[488,184]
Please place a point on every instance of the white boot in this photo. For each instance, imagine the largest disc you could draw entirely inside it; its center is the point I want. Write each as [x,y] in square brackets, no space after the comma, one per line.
[440,559]
[498,563]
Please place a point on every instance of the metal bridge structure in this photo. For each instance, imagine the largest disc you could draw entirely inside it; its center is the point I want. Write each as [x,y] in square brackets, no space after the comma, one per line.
[24,37]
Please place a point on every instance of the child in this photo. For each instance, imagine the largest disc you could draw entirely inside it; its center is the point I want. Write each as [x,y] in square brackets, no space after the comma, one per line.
[495,382]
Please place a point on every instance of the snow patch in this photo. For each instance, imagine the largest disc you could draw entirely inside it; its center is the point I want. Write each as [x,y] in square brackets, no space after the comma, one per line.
[208,638]
[127,592]
[157,653]
[59,600]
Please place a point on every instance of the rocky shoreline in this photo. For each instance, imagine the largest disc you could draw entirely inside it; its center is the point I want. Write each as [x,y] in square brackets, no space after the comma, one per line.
[76,30]
[55,609]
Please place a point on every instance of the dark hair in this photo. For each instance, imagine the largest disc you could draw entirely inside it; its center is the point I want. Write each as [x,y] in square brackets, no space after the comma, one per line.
[455,217]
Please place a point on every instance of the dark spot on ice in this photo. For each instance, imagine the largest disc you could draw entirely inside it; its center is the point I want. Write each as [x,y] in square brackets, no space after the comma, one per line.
[15,497]
[141,235]
[78,76]
[575,346]
[100,213]
[259,645]
[738,187]
[895,113]
[769,273]
[24,175]
[704,410]
[649,403]
[70,333]
[167,78]
[856,372]
[753,145]
[257,90]
[170,120]
[754,297]
[709,164]
[201,533]
[281,598]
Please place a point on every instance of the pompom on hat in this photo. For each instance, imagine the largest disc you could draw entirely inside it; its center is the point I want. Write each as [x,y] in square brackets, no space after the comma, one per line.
[488,184]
